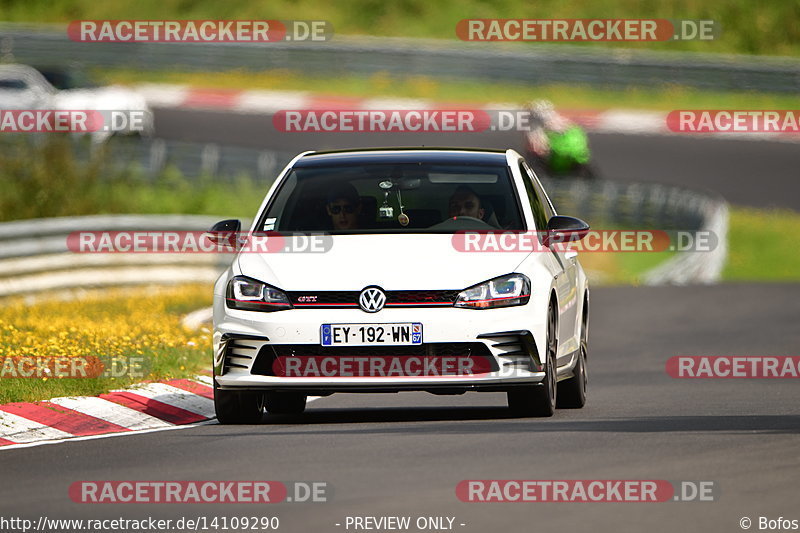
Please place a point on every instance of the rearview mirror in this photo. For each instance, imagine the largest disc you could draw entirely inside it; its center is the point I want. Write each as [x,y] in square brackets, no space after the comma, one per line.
[409,184]
[562,229]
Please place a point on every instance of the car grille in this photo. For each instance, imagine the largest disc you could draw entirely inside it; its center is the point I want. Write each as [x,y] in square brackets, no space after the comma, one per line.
[349,299]
[518,345]
[239,353]
[269,352]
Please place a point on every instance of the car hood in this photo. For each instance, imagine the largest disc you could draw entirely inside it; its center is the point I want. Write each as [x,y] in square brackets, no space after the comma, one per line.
[393,262]
[21,100]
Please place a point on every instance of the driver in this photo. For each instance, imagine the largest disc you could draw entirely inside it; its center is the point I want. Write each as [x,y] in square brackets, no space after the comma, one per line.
[344,206]
[465,203]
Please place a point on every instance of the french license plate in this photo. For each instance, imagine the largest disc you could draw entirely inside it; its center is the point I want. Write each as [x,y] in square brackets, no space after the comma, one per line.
[399,334]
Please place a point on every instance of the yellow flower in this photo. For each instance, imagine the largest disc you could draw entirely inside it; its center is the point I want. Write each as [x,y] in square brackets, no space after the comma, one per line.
[104,323]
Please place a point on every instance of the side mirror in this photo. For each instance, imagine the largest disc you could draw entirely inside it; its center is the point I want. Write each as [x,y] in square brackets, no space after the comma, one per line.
[565,229]
[225,234]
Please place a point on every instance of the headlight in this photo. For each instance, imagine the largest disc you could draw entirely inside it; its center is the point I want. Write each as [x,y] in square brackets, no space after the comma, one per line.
[505,291]
[251,295]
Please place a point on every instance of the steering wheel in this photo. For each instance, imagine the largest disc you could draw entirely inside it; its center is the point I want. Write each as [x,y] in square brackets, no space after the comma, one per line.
[462,222]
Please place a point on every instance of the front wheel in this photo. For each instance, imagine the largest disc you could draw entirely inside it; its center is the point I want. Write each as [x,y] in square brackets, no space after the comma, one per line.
[539,400]
[238,407]
[572,392]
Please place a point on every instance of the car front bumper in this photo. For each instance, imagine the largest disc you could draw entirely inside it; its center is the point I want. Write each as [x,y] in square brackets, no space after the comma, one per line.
[512,338]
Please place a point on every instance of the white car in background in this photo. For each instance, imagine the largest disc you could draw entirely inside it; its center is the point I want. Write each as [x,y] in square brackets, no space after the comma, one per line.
[393,285]
[23,87]
[62,89]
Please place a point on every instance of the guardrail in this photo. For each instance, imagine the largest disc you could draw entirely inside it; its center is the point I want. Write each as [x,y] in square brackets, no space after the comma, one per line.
[34,256]
[521,63]
[152,156]
[652,205]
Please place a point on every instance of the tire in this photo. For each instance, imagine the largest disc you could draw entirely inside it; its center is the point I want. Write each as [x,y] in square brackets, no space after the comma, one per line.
[572,392]
[285,403]
[234,407]
[539,400]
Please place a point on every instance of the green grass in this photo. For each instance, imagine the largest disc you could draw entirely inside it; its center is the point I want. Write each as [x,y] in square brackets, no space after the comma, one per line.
[766,27]
[668,97]
[633,265]
[620,268]
[168,363]
[120,324]
[763,245]
[46,180]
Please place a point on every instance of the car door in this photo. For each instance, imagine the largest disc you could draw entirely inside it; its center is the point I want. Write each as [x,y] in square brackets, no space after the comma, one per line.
[567,278]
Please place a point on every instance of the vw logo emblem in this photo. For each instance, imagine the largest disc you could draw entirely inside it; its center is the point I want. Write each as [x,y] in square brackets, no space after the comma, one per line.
[372,299]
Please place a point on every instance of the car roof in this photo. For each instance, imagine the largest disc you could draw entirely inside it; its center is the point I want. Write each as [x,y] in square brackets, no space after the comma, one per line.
[17,69]
[383,156]
[21,71]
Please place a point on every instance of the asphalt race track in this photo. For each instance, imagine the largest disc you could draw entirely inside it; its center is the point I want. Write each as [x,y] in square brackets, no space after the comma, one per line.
[257,131]
[404,454]
[746,172]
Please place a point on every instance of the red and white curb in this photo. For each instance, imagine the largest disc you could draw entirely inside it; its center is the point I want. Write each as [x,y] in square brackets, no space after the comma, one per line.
[146,407]
[265,102]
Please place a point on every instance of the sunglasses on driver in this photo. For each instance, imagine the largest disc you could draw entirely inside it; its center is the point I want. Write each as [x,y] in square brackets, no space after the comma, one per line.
[336,209]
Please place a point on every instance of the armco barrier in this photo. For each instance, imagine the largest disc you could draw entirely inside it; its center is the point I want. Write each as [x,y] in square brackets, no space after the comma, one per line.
[151,156]
[609,204]
[34,256]
[516,63]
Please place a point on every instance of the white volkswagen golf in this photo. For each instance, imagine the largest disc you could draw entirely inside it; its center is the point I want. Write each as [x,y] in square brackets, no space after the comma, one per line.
[388,270]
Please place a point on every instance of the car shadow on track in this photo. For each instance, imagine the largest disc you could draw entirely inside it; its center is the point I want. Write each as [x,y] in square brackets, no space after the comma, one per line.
[390,414]
[502,420]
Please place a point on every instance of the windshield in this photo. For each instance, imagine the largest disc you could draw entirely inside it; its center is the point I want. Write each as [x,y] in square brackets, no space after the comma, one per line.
[392,198]
[13,84]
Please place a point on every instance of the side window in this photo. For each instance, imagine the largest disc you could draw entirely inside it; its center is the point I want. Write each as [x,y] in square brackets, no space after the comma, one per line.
[549,210]
[539,214]
[13,84]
